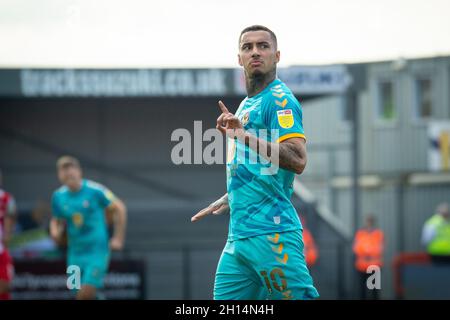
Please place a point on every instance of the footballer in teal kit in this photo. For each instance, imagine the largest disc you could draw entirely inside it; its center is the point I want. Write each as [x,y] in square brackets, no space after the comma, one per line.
[263,257]
[83,207]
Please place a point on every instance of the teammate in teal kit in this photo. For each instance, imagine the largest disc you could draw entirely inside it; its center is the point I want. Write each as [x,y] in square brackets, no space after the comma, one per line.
[263,257]
[83,207]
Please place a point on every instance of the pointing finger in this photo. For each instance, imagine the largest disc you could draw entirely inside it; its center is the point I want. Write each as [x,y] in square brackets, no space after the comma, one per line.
[222,107]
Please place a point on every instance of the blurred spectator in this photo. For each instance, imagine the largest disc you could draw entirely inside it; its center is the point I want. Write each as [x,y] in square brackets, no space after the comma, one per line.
[311,252]
[310,248]
[368,247]
[436,234]
[8,214]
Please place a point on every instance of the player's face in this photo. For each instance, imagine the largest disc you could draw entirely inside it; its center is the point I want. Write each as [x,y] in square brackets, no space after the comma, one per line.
[70,176]
[257,53]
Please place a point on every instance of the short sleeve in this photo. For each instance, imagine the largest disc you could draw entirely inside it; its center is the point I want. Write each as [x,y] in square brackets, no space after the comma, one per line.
[282,112]
[105,196]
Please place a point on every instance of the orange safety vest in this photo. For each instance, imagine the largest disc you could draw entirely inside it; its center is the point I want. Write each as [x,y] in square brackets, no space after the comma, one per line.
[368,247]
[311,253]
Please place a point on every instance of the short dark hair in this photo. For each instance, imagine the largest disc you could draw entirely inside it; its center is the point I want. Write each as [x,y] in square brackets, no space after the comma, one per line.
[258,27]
[67,161]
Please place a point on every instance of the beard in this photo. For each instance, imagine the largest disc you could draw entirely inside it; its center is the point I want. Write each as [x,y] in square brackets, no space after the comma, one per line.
[258,79]
[257,74]
[262,73]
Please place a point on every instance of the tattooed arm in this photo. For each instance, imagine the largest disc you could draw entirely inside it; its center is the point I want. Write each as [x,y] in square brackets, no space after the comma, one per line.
[291,152]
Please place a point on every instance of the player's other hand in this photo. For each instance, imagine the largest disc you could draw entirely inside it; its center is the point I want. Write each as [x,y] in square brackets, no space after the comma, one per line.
[228,123]
[116,243]
[58,237]
[217,208]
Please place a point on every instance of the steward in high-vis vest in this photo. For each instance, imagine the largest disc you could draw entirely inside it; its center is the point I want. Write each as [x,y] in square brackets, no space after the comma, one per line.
[436,232]
[311,252]
[368,247]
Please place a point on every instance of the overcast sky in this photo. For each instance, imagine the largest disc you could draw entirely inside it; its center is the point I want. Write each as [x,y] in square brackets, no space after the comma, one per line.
[204,33]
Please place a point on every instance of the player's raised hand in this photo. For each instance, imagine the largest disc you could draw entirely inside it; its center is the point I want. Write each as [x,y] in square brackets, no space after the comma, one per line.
[223,108]
[220,120]
[228,123]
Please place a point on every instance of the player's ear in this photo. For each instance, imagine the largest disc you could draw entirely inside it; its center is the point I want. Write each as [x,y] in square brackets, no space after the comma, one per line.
[277,55]
[240,60]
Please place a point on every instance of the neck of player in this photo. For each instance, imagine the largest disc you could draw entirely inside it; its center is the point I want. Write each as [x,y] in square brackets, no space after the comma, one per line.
[74,187]
[258,82]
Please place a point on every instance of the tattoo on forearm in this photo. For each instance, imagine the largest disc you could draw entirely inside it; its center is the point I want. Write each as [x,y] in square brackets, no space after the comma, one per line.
[289,156]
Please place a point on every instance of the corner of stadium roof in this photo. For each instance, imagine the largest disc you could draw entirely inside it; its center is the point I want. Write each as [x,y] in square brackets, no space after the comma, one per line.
[306,81]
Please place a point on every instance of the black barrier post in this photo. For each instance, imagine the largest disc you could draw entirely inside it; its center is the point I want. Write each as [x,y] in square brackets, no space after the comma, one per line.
[341,271]
[400,214]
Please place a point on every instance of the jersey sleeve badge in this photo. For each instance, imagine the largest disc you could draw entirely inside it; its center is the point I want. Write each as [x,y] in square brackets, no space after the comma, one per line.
[285,118]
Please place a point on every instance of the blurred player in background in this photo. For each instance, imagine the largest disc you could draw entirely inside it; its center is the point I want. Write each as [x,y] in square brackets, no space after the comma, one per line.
[79,205]
[263,257]
[8,216]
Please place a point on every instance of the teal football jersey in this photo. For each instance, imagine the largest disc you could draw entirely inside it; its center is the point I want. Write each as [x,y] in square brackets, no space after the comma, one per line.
[259,193]
[84,212]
